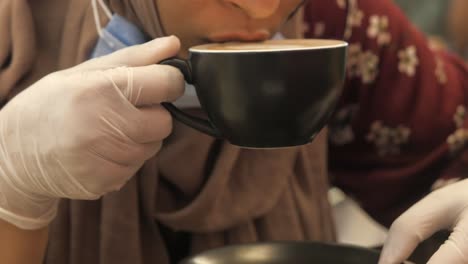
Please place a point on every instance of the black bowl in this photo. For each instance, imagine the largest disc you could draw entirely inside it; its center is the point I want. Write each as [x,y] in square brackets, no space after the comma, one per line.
[286,253]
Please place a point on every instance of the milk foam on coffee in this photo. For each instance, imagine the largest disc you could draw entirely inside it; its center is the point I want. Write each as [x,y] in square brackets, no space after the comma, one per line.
[269,45]
[244,46]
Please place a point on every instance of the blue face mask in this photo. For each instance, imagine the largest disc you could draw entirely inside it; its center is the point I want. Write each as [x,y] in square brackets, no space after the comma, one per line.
[120,33]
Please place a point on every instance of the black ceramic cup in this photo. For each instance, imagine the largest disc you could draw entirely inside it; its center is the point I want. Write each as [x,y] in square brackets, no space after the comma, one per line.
[271,94]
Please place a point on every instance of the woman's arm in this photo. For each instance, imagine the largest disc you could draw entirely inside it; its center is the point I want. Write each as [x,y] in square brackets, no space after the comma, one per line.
[18,246]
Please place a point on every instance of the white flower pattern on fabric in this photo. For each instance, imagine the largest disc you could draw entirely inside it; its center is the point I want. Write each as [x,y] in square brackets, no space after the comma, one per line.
[354,18]
[408,61]
[353,62]
[459,116]
[362,64]
[440,71]
[369,63]
[457,140]
[378,29]
[387,140]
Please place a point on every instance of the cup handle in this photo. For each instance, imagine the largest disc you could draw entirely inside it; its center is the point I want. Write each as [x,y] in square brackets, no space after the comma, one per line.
[197,123]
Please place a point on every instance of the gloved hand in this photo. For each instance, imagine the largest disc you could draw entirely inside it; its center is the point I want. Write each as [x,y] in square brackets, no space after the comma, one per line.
[445,208]
[83,132]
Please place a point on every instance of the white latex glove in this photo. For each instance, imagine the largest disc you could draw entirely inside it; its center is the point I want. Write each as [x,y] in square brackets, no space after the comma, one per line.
[445,208]
[83,132]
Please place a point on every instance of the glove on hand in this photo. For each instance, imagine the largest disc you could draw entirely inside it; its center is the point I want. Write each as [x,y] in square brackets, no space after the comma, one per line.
[83,132]
[446,208]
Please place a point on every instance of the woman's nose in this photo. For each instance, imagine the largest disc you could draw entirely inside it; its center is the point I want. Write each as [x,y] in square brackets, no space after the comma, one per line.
[257,8]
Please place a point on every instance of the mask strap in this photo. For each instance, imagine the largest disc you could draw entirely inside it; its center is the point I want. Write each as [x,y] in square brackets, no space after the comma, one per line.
[97,19]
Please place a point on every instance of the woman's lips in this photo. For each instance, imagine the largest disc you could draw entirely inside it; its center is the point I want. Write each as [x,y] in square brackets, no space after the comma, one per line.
[240,36]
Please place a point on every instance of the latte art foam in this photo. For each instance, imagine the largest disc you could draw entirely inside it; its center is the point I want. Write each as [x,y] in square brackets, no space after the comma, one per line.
[250,46]
[269,45]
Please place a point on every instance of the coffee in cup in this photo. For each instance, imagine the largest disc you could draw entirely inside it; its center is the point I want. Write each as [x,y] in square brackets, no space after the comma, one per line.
[270,45]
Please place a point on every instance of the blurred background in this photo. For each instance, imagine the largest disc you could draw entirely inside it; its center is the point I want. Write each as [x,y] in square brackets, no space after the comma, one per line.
[444,21]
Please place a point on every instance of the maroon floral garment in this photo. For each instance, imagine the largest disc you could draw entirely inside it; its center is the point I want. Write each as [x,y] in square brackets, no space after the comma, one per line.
[401,127]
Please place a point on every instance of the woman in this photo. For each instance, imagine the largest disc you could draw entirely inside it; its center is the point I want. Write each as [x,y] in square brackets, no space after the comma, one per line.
[82,132]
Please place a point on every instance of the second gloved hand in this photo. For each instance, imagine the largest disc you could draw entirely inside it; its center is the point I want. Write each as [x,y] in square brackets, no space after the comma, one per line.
[84,131]
[446,208]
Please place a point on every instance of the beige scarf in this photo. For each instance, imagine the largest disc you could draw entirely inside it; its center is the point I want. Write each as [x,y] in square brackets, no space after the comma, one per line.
[197,193]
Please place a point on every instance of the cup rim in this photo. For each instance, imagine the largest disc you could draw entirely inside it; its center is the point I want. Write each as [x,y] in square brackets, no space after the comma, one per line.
[315,44]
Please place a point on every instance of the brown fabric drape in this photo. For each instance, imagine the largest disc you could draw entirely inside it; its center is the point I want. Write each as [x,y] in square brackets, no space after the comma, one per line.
[197,193]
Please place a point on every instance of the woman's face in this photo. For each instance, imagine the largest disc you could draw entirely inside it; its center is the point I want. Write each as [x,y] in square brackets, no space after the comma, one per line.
[204,21]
